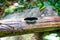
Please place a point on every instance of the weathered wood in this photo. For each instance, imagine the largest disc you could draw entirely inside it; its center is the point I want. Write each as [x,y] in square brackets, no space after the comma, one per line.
[19,27]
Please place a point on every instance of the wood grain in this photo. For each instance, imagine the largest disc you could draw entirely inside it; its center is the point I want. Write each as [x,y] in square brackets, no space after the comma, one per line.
[13,28]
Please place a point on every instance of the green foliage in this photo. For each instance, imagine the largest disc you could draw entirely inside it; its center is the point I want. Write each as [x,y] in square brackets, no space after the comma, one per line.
[1,1]
[8,10]
[52,36]
[32,4]
[54,3]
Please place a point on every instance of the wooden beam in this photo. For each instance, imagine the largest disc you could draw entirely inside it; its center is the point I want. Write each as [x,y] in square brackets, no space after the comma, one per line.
[20,27]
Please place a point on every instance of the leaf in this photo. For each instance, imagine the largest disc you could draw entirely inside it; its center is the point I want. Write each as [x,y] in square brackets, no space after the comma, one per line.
[9,10]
